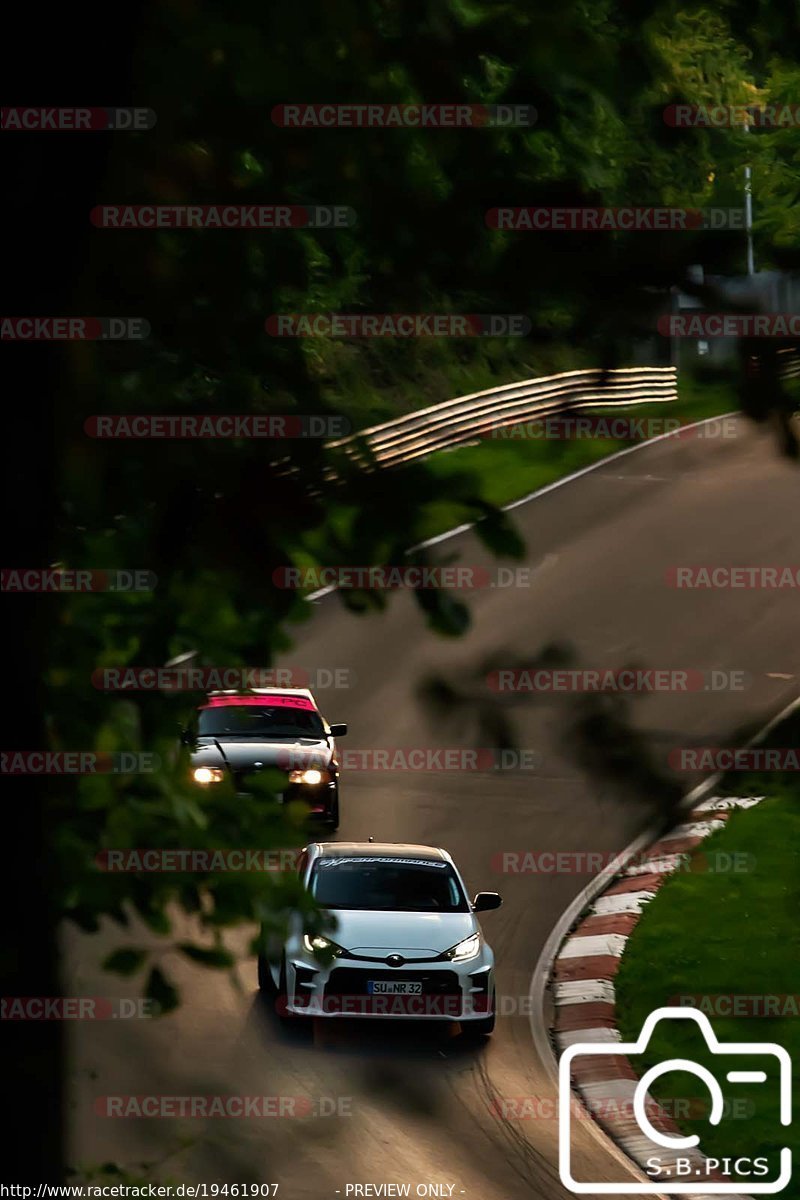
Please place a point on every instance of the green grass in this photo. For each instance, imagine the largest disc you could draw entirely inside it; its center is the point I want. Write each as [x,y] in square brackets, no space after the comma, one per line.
[377,382]
[713,934]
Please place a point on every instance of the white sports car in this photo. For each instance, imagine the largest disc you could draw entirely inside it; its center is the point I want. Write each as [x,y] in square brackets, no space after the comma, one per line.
[406,942]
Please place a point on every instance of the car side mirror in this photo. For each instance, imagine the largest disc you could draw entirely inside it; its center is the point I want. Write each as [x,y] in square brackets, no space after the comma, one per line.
[484,901]
[338,730]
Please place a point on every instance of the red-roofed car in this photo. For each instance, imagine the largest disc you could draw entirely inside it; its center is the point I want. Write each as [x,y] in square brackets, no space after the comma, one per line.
[239,733]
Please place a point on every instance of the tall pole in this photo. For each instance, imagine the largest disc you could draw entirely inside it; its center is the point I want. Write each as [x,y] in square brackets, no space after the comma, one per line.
[748,212]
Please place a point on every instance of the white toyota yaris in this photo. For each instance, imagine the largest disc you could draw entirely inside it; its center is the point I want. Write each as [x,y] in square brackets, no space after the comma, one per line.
[406,942]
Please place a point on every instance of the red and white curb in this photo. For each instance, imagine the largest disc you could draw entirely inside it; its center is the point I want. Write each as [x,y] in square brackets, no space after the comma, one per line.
[582,986]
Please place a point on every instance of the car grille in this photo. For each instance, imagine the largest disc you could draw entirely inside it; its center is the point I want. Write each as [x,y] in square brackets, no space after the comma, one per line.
[345,982]
[346,994]
[246,781]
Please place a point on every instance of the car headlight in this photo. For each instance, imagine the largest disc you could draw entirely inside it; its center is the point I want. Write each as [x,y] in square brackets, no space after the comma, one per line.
[464,951]
[208,775]
[311,775]
[318,944]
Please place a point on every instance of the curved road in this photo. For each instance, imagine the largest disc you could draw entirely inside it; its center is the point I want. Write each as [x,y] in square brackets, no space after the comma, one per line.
[410,1107]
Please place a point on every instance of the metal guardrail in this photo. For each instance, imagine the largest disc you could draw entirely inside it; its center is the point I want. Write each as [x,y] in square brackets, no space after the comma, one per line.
[480,414]
[790,364]
[470,418]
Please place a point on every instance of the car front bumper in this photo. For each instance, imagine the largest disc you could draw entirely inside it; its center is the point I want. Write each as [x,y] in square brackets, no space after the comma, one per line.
[319,798]
[456,992]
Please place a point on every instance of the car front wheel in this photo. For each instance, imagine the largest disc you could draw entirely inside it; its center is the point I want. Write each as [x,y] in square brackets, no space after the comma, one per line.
[266,983]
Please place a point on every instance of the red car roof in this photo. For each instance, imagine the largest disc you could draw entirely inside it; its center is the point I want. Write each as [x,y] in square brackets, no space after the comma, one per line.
[263,701]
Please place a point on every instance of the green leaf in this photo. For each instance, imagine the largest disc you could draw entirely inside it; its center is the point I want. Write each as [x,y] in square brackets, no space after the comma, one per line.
[161,991]
[125,962]
[446,616]
[215,957]
[499,534]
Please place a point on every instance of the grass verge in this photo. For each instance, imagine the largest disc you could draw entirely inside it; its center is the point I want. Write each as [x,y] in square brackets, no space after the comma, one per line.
[722,935]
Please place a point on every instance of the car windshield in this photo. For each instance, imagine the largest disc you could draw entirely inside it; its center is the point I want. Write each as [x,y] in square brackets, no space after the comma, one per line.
[255,721]
[387,885]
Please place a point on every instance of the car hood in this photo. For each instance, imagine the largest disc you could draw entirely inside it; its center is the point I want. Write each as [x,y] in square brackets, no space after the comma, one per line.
[382,933]
[242,755]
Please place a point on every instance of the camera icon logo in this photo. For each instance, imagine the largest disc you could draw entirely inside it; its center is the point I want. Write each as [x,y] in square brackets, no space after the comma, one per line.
[673,1170]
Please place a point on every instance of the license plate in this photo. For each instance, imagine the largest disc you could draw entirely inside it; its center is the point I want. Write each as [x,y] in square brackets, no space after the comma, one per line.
[388,987]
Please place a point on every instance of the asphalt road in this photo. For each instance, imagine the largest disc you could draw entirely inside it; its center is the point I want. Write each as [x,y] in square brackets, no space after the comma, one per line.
[410,1106]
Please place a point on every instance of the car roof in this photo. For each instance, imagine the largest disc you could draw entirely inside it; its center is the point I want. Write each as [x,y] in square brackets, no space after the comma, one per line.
[270,691]
[384,849]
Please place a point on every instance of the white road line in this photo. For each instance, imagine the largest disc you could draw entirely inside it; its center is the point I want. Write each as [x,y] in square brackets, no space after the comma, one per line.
[543,491]
[557,483]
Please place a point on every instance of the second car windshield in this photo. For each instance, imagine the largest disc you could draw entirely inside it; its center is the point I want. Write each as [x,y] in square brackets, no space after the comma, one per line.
[251,721]
[387,885]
